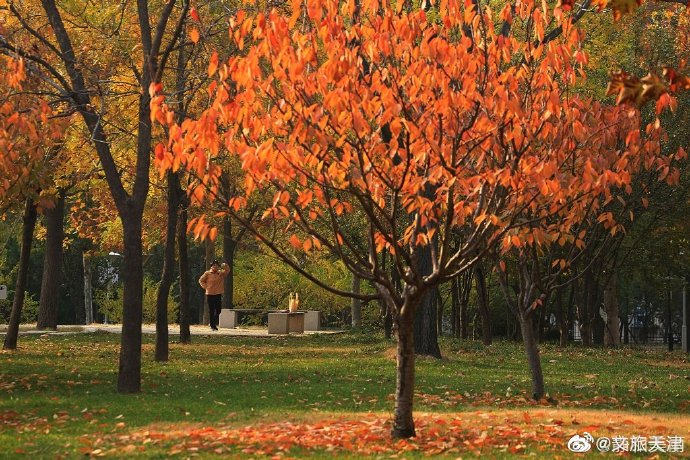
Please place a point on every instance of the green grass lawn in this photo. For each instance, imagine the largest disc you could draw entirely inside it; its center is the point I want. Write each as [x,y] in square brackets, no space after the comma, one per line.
[58,398]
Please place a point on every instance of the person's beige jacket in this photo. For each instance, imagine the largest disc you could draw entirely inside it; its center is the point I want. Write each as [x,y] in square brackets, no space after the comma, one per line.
[213,282]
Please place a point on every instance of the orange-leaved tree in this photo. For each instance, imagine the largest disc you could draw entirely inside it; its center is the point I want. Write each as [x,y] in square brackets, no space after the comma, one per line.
[575,209]
[29,137]
[441,139]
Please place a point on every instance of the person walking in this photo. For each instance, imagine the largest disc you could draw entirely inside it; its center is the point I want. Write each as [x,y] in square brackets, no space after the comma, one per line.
[213,281]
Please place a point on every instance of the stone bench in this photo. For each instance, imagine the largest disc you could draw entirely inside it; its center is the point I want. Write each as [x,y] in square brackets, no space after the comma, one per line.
[312,320]
[285,323]
[229,318]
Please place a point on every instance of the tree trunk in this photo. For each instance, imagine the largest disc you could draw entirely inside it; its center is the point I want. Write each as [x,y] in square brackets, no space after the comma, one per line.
[584,313]
[612,336]
[403,422]
[439,310]
[229,247]
[132,273]
[483,304]
[563,325]
[88,289]
[52,265]
[185,334]
[388,312]
[28,225]
[356,304]
[209,256]
[425,332]
[527,328]
[162,348]
[454,308]
[75,282]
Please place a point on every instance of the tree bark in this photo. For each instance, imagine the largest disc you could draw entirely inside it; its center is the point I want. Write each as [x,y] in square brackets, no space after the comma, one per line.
[28,225]
[162,348]
[455,307]
[132,273]
[425,332]
[88,289]
[532,351]
[483,304]
[229,247]
[185,334]
[439,310]
[584,313]
[356,304]
[403,422]
[209,256]
[75,282]
[388,311]
[612,337]
[52,265]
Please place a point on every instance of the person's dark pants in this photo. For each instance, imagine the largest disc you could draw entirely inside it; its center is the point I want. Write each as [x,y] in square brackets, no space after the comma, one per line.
[214,306]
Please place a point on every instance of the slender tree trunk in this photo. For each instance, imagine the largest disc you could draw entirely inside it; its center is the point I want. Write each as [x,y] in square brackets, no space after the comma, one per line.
[52,265]
[532,351]
[229,247]
[209,256]
[356,304]
[483,304]
[455,307]
[28,225]
[88,289]
[571,313]
[612,337]
[129,377]
[185,334]
[464,319]
[76,283]
[439,310]
[585,309]
[388,311]
[162,348]
[562,319]
[403,422]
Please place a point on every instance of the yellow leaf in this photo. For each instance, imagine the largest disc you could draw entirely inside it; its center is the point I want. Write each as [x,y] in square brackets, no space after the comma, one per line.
[194,35]
[213,64]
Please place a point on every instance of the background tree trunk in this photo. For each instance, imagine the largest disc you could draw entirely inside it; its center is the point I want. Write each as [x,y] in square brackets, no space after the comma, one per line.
[229,247]
[455,307]
[28,225]
[483,304]
[75,282]
[210,255]
[439,310]
[388,312]
[162,348]
[88,289]
[356,304]
[584,312]
[185,334]
[425,332]
[612,336]
[52,265]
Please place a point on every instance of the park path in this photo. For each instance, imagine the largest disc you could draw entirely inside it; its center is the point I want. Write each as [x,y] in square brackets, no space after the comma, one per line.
[173,329]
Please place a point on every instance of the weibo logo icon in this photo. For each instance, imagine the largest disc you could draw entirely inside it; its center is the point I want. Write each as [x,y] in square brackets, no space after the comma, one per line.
[581,444]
